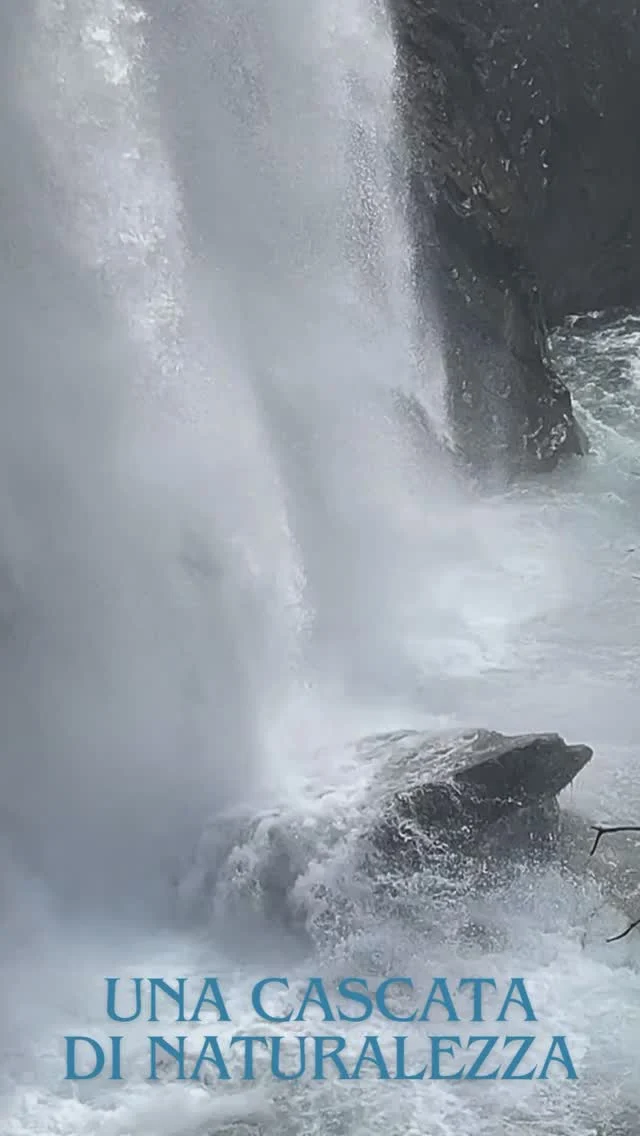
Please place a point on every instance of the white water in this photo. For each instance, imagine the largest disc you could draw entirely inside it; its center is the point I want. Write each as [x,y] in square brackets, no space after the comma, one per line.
[222,553]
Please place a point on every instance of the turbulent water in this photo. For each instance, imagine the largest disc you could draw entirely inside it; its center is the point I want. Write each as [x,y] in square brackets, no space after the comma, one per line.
[229,550]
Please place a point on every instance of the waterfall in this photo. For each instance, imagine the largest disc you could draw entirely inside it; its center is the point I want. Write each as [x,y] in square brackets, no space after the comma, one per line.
[222,501]
[233,534]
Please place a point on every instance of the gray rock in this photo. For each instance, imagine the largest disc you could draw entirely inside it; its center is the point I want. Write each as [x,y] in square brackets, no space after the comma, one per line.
[524,165]
[312,863]
[472,786]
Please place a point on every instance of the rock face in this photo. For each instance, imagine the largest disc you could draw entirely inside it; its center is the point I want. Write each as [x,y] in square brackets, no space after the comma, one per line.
[457,790]
[525,162]
[408,798]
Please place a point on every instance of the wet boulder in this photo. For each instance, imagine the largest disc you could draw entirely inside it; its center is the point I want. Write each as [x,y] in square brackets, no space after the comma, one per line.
[458,787]
[392,805]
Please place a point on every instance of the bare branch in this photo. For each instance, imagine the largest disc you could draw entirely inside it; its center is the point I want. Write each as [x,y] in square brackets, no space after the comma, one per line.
[607,832]
[624,934]
[601,831]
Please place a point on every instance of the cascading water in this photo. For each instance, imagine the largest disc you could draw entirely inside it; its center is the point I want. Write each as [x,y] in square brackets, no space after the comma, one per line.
[227,546]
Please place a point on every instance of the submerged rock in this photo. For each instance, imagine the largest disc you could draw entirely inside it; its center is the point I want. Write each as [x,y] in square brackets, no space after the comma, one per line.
[524,168]
[396,804]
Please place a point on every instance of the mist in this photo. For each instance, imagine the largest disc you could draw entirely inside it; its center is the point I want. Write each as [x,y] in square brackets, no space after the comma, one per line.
[222,522]
[202,333]
[126,712]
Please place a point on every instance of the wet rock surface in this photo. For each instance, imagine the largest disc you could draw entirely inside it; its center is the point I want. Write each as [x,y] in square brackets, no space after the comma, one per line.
[525,164]
[423,803]
[472,789]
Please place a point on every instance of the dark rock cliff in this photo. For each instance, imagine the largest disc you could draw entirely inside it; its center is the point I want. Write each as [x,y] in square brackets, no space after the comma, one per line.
[525,162]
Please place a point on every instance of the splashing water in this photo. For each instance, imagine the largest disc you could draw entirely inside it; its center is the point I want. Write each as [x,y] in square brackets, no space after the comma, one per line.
[229,548]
